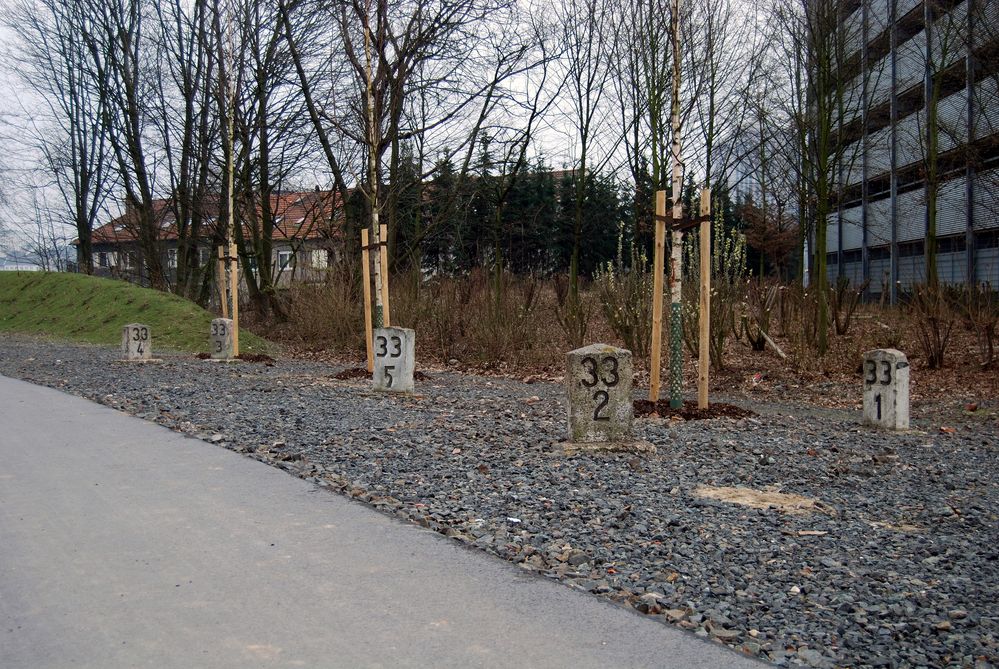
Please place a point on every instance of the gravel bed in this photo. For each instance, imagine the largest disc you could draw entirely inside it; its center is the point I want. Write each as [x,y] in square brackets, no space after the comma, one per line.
[896,564]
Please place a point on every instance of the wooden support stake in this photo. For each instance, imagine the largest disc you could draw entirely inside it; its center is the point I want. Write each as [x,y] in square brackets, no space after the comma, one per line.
[366,278]
[383,251]
[234,291]
[704,343]
[223,284]
[658,265]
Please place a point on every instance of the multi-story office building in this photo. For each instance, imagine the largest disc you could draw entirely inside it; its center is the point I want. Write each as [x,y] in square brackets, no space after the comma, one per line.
[903,61]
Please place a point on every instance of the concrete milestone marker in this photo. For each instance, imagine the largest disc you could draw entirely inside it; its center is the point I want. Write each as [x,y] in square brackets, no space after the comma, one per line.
[221,339]
[886,389]
[395,359]
[598,381]
[136,342]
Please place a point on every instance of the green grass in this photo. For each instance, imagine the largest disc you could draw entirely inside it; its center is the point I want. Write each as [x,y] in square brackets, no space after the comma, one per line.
[82,308]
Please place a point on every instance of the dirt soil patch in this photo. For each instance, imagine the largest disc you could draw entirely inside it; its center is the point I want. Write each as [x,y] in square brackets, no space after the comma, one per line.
[352,373]
[255,357]
[689,410]
[362,373]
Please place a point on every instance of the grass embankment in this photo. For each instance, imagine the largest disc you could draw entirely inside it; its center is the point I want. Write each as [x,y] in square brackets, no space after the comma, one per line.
[88,309]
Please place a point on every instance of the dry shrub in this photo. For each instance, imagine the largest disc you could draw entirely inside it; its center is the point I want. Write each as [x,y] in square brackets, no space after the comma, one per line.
[934,316]
[626,299]
[799,322]
[472,318]
[691,309]
[979,306]
[843,302]
[442,305]
[889,327]
[761,298]
[329,313]
[572,312]
[505,322]
[728,270]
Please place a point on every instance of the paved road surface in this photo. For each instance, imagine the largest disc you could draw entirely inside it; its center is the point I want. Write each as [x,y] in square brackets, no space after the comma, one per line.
[123,544]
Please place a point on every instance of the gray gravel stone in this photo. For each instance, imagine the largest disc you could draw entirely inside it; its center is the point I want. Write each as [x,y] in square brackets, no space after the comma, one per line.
[469,455]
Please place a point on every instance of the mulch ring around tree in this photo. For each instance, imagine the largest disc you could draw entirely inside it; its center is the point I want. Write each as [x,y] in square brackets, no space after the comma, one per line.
[689,410]
[245,357]
[352,373]
[362,373]
[255,357]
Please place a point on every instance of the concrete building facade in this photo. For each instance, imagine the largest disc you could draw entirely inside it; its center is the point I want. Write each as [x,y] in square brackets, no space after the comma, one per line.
[909,67]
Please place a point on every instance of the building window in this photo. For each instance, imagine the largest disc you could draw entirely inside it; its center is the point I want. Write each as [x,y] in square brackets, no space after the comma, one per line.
[909,249]
[950,244]
[172,258]
[879,253]
[286,259]
[854,255]
[320,259]
[102,259]
[204,255]
[987,240]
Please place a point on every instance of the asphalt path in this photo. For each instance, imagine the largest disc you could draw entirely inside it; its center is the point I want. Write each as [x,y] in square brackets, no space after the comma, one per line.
[123,544]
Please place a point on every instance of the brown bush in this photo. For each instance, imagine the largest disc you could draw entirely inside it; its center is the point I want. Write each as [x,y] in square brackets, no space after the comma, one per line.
[933,315]
[329,314]
[473,318]
[979,306]
[625,295]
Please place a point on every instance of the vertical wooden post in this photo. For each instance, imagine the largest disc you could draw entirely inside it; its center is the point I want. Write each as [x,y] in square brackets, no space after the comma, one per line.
[383,254]
[366,278]
[704,343]
[234,291]
[223,284]
[658,264]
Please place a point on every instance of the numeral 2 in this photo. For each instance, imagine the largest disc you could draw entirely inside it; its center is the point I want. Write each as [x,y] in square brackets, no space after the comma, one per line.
[604,399]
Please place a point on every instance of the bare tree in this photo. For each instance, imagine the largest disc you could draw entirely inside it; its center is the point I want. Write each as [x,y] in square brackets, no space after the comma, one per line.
[809,67]
[53,62]
[188,130]
[271,136]
[587,42]
[116,40]
[947,42]
[724,58]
